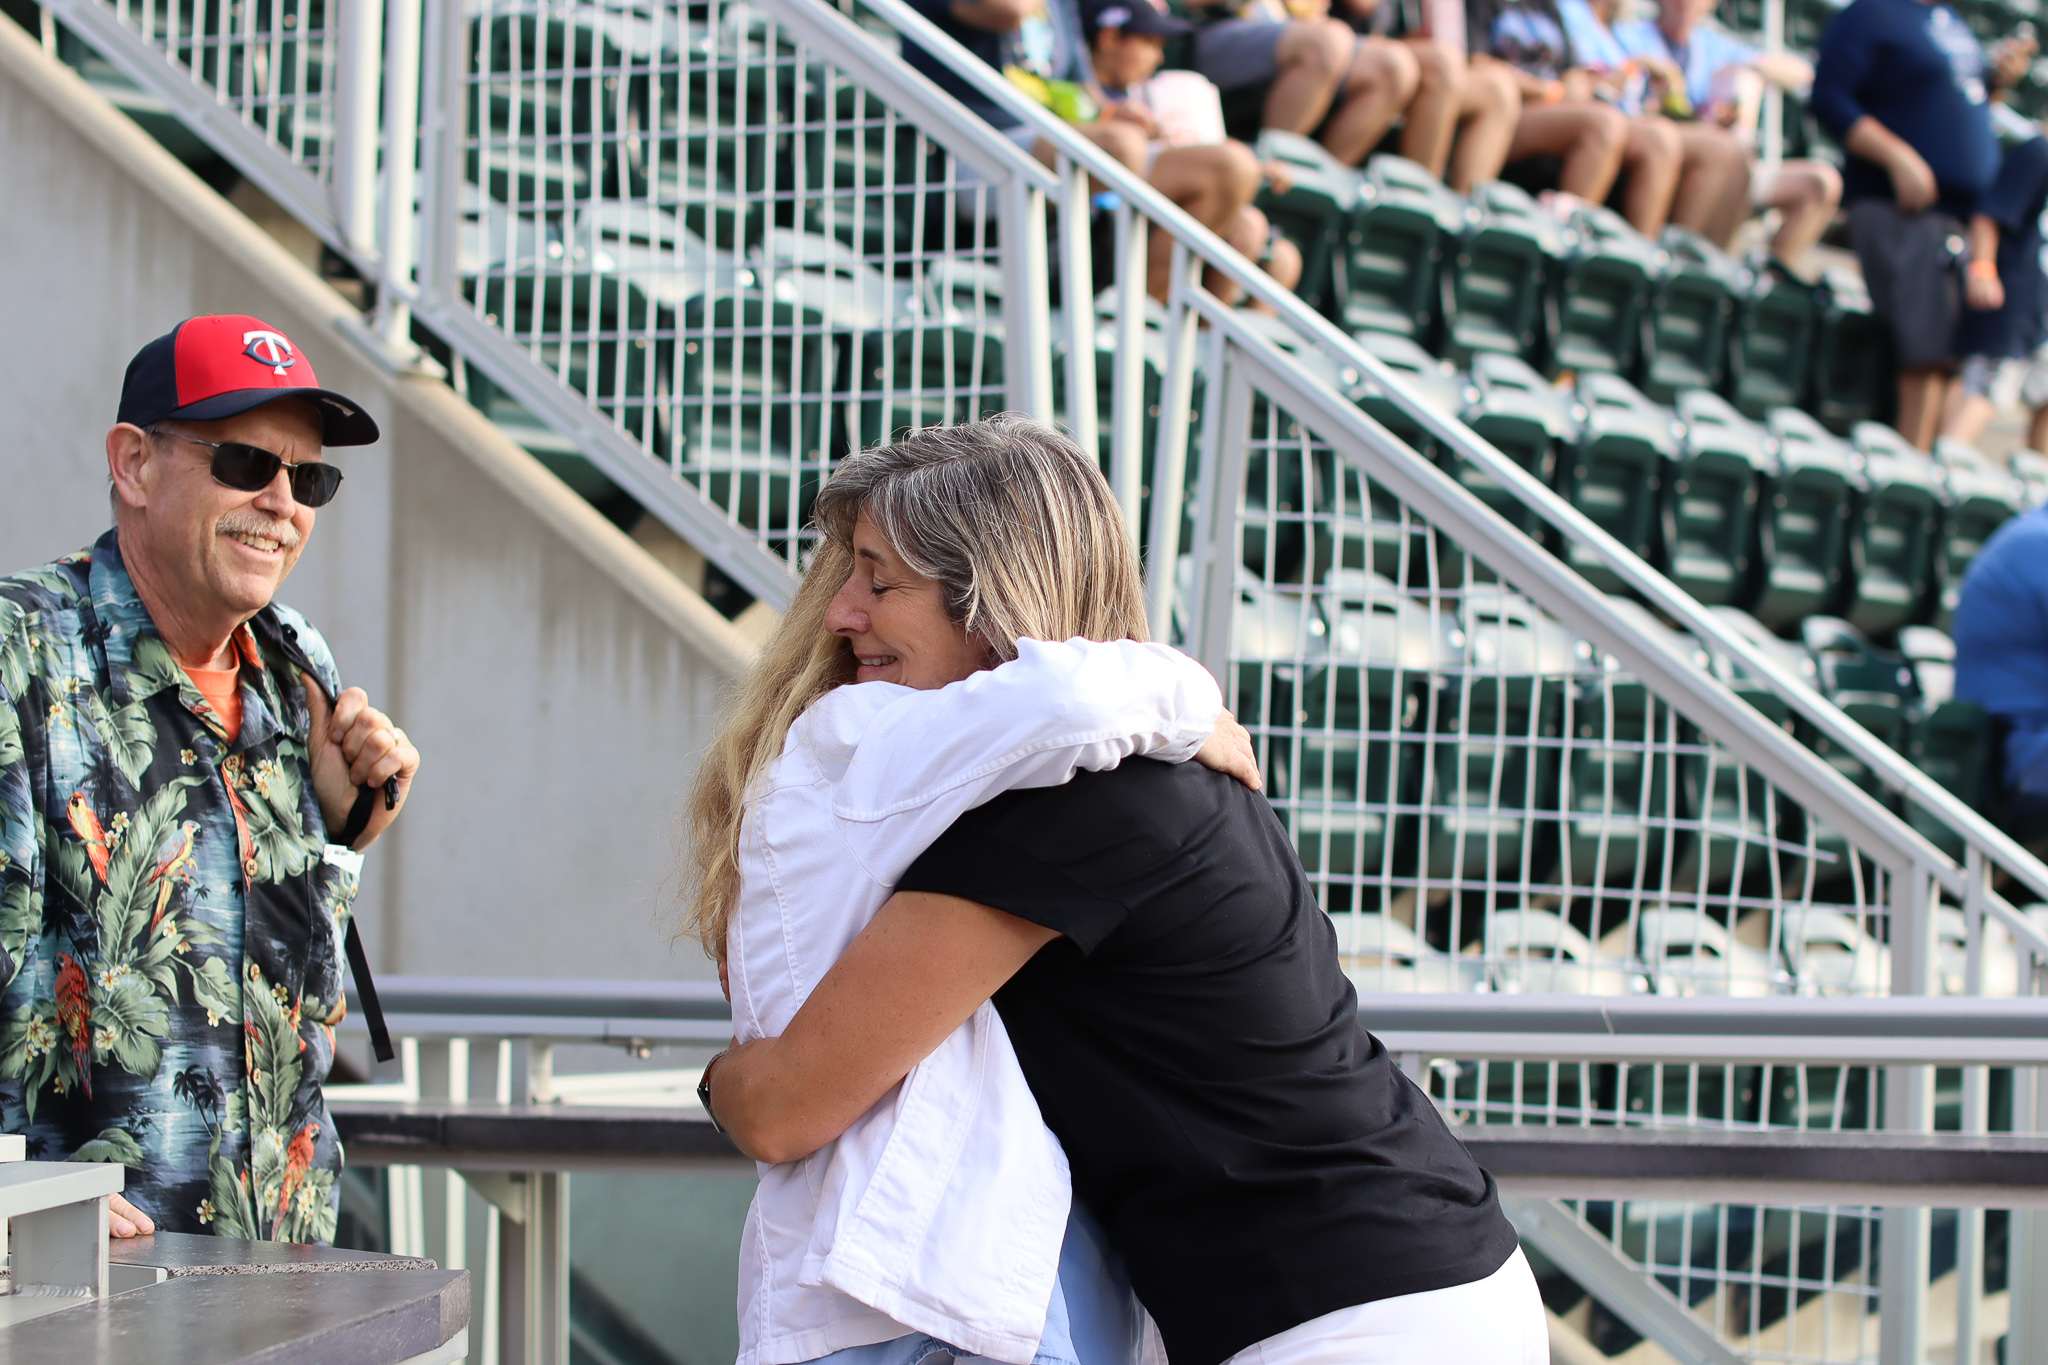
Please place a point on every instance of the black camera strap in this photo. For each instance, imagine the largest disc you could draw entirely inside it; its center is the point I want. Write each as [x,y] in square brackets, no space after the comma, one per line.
[358,958]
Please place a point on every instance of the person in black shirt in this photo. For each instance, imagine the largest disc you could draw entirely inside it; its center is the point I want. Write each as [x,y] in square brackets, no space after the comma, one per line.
[1280,1193]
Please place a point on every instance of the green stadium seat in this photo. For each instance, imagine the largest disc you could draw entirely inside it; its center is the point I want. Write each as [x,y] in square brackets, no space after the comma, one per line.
[1372,531]
[1355,762]
[546,128]
[1290,487]
[1618,801]
[1852,361]
[1981,498]
[1313,211]
[1874,688]
[1394,251]
[753,402]
[1527,420]
[1500,276]
[1807,20]
[1490,769]
[1802,521]
[1895,534]
[1614,471]
[1692,310]
[1710,499]
[601,335]
[1772,348]
[1603,294]
[1948,739]
[1733,802]
[2030,471]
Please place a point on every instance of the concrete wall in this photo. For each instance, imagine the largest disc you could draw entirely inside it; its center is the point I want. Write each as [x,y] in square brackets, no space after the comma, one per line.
[558,682]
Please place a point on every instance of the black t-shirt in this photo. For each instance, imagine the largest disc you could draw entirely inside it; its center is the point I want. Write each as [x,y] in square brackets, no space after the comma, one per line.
[1251,1150]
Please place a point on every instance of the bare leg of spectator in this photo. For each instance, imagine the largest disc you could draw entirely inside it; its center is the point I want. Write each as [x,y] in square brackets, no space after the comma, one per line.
[1966,414]
[1921,394]
[1589,137]
[1489,108]
[1653,157]
[1214,185]
[1313,56]
[1379,86]
[1124,141]
[1432,120]
[1806,195]
[2037,430]
[1251,234]
[1713,181]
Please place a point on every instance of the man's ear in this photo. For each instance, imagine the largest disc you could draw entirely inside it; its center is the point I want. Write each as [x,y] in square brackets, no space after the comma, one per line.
[129,453]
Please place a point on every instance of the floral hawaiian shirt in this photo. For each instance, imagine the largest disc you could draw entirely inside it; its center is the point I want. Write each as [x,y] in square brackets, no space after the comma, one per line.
[170,911]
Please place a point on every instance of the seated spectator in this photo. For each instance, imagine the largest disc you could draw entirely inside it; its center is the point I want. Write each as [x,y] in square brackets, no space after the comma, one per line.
[1564,116]
[1179,112]
[1321,78]
[2001,635]
[1695,65]
[1462,119]
[1901,84]
[1040,44]
[1713,171]
[2003,293]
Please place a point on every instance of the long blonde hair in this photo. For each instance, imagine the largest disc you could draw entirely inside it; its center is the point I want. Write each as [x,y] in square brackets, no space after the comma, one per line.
[1018,527]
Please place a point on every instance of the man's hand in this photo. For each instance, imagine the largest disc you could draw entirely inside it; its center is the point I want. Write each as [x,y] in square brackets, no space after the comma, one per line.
[2010,59]
[1912,180]
[355,745]
[1983,289]
[1229,750]
[125,1220]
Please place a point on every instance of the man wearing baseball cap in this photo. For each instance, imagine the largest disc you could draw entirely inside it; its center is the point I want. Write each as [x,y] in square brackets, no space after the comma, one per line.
[185,791]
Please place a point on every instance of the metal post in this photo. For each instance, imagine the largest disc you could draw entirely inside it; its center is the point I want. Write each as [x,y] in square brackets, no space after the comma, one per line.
[444,1074]
[1127,395]
[1027,349]
[1217,590]
[534,1262]
[1909,1108]
[444,123]
[402,121]
[1170,456]
[361,63]
[1976,1086]
[63,1249]
[1077,272]
[2027,1254]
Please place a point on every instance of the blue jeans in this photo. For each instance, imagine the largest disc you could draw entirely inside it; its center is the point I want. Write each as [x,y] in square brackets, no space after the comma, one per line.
[1092,1319]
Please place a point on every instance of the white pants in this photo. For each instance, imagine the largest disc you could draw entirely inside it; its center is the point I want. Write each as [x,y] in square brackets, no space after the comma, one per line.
[1495,1321]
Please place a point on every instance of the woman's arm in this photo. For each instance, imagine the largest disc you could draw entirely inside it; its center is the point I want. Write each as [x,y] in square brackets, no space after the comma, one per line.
[920,970]
[1984,289]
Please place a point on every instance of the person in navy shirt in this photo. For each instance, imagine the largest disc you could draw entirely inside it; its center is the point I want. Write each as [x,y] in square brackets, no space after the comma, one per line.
[1905,88]
[2004,292]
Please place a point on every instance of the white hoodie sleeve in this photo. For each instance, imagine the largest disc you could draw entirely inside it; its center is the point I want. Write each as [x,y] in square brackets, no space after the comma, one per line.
[1056,709]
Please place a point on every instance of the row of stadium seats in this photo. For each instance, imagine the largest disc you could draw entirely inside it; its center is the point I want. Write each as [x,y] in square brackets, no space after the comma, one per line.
[1391,249]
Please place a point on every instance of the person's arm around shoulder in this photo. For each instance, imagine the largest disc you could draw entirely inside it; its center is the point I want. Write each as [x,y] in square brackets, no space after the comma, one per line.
[1058,708]
[920,970]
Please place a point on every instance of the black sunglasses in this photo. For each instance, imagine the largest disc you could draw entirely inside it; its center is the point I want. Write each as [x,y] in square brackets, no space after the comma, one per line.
[251,468]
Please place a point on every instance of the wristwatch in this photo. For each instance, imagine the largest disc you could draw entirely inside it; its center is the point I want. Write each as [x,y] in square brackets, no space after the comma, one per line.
[704,1091]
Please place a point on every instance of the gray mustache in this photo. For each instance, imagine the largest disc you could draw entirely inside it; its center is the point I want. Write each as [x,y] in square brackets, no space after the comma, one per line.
[248,524]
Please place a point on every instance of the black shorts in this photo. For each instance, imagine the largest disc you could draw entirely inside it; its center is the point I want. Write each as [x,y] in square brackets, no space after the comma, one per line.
[1913,267]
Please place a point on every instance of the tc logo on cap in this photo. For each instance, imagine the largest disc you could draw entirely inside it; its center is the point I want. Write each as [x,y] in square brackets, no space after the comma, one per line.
[269,348]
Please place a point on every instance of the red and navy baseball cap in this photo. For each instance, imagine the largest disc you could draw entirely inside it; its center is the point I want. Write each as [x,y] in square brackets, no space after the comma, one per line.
[208,368]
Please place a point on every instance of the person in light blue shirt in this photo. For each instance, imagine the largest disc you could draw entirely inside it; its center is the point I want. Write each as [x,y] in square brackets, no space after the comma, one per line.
[1712,186]
[1721,79]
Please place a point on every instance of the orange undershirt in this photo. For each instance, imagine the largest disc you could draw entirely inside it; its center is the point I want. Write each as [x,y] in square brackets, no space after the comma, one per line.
[222,688]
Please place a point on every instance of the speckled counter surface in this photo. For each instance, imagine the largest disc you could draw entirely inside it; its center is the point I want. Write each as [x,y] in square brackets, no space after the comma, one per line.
[179,1254]
[376,1317]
